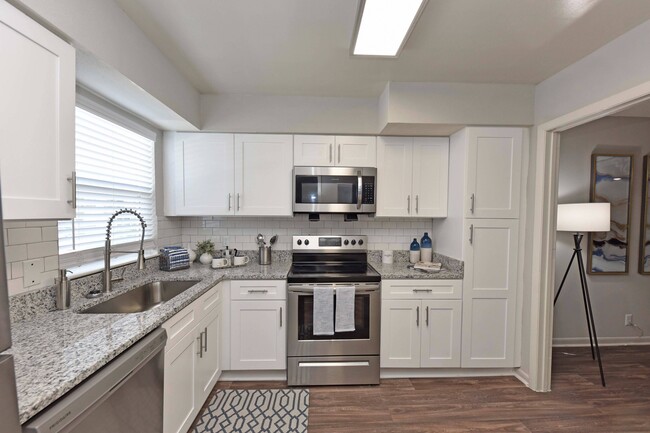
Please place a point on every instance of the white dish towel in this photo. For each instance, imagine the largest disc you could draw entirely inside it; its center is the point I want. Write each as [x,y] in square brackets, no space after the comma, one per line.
[323,311]
[344,309]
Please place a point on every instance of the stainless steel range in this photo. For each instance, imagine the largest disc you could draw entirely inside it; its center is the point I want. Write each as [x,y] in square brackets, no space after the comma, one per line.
[344,358]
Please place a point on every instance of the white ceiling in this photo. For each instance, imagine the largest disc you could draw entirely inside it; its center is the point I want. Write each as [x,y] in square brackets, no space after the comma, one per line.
[301,47]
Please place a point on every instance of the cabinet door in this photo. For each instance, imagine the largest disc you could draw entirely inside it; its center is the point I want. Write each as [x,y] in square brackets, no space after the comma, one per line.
[313,150]
[355,151]
[400,334]
[200,174]
[263,170]
[489,292]
[394,176]
[208,364]
[180,403]
[258,335]
[37,120]
[494,172]
[430,177]
[441,333]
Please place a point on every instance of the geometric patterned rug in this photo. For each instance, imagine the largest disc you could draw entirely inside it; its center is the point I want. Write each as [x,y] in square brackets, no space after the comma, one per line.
[256,411]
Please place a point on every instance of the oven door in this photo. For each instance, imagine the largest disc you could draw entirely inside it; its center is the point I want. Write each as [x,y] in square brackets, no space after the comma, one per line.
[364,340]
[334,190]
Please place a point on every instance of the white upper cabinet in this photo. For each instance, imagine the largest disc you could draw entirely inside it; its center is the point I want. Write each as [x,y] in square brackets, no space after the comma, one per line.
[329,150]
[413,176]
[199,174]
[37,82]
[263,170]
[226,174]
[494,172]
[490,292]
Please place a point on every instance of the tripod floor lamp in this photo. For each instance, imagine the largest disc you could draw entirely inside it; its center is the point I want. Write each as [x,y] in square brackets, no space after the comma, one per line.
[581,218]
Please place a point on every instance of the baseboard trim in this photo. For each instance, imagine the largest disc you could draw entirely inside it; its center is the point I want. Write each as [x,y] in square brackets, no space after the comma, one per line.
[522,376]
[253,376]
[422,373]
[602,341]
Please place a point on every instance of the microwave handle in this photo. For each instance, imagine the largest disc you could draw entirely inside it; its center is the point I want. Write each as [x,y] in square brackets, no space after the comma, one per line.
[359,189]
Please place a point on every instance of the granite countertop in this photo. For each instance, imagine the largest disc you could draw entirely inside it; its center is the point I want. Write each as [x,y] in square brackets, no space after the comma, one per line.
[55,351]
[452,269]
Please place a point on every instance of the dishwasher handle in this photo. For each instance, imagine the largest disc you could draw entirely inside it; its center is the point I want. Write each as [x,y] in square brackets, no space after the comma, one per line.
[97,388]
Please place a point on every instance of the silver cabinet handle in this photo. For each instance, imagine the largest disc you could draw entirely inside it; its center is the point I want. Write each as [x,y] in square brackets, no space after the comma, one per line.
[229,197]
[472,199]
[471,234]
[330,153]
[359,189]
[280,317]
[205,347]
[200,352]
[427,319]
[417,316]
[238,201]
[417,203]
[422,290]
[339,153]
[73,180]
[258,291]
[408,204]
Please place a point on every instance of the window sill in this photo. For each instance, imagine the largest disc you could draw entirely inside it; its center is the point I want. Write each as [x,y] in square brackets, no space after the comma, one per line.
[97,266]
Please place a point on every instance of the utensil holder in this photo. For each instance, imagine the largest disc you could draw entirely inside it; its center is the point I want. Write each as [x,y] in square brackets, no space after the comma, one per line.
[265,255]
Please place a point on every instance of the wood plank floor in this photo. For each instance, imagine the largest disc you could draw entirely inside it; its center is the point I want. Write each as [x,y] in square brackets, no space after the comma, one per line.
[577,402]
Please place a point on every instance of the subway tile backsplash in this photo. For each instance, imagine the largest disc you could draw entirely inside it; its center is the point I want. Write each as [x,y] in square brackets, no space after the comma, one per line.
[240,233]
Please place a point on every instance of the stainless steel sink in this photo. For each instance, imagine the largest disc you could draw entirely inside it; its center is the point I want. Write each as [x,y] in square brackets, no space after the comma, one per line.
[141,298]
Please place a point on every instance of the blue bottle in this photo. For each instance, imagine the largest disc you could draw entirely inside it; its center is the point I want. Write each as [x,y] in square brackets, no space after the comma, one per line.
[426,252]
[414,253]
[426,241]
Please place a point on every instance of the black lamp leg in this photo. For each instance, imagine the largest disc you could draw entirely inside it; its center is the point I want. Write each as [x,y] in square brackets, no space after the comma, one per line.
[568,268]
[590,315]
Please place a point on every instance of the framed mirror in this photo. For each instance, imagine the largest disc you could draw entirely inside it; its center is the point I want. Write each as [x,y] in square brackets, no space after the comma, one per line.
[644,244]
[611,177]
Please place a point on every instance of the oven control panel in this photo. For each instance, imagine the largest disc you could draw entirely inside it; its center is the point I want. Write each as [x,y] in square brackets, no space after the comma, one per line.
[330,243]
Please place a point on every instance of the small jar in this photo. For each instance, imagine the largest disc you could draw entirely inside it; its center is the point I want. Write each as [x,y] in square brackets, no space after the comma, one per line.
[414,251]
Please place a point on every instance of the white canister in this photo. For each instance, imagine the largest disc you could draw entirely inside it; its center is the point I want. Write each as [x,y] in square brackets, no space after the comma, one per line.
[426,255]
[387,257]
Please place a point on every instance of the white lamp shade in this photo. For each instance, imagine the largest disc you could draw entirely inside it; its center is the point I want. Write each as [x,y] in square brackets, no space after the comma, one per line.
[583,217]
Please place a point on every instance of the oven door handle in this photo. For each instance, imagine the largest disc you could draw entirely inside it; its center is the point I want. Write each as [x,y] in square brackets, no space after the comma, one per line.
[356,292]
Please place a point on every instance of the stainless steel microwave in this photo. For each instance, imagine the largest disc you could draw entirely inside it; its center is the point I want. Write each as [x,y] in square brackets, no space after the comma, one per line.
[334,190]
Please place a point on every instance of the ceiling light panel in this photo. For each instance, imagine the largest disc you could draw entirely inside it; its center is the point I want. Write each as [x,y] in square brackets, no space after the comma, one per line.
[384,26]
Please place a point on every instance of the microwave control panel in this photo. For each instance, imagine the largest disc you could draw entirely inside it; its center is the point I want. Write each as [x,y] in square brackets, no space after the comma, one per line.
[368,188]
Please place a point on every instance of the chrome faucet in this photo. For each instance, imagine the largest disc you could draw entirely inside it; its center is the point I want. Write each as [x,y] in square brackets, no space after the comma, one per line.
[106,274]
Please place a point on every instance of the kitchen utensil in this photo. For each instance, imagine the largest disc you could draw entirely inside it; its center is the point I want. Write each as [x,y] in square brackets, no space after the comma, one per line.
[273,239]
[260,240]
[265,255]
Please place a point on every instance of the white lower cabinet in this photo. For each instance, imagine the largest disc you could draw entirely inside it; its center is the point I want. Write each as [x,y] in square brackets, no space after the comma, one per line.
[258,335]
[192,360]
[419,332]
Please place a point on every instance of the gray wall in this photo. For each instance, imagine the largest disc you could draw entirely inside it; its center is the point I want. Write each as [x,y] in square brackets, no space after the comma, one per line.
[612,296]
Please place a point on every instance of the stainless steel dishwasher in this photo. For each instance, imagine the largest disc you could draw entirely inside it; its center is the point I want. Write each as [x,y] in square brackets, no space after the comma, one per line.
[125,396]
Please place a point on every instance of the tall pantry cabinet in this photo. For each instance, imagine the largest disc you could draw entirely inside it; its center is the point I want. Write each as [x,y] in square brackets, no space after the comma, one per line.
[491,245]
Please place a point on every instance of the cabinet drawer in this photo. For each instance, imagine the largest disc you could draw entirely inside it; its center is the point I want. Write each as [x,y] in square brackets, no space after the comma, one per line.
[180,325]
[258,289]
[421,289]
[211,299]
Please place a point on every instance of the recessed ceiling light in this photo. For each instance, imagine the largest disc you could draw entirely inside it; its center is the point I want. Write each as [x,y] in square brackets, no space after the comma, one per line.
[383,26]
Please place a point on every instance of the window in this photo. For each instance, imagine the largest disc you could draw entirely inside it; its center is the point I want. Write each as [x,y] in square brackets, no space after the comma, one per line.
[115,170]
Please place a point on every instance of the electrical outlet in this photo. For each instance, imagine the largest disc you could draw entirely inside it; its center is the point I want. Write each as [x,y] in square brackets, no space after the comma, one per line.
[629,320]
[32,270]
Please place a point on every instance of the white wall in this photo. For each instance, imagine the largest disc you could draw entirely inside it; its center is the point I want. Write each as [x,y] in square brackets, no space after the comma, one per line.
[288,114]
[619,65]
[100,27]
[612,296]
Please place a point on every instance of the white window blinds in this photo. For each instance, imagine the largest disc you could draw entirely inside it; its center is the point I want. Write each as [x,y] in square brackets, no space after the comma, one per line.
[115,170]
